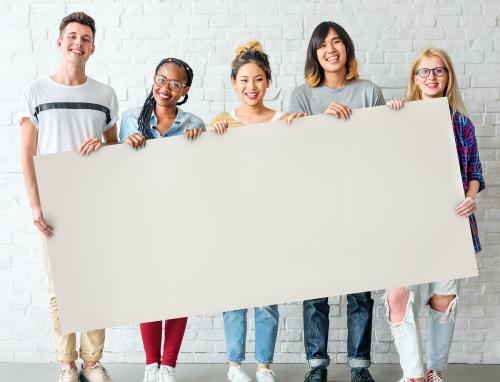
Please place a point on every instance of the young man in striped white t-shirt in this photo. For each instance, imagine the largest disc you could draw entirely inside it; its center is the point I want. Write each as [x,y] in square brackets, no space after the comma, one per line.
[63,112]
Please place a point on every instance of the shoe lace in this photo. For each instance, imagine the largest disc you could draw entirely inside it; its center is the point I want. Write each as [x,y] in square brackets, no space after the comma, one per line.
[167,371]
[317,371]
[151,372]
[67,372]
[268,374]
[363,372]
[99,369]
[434,376]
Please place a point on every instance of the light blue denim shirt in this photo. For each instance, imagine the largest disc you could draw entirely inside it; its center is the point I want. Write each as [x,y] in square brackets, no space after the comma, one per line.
[183,121]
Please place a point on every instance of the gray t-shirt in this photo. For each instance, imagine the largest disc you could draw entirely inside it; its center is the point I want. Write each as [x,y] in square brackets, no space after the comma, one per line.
[356,95]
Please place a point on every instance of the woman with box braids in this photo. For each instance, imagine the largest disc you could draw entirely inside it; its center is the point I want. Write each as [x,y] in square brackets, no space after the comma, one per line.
[160,115]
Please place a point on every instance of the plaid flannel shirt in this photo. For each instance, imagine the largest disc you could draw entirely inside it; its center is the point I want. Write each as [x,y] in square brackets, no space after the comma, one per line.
[470,165]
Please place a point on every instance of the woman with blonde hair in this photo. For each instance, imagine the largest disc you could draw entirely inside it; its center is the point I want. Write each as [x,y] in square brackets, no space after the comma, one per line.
[250,77]
[333,87]
[432,76]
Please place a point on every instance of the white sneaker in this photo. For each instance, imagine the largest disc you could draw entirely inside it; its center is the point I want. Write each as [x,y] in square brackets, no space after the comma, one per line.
[265,375]
[67,374]
[151,373]
[236,374]
[96,373]
[166,374]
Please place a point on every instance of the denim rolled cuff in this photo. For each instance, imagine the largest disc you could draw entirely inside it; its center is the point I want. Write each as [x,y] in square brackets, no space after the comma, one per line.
[315,362]
[358,362]
[264,361]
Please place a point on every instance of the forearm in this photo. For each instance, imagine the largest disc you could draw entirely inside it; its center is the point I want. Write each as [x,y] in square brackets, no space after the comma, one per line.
[472,189]
[30,180]
[28,151]
[110,136]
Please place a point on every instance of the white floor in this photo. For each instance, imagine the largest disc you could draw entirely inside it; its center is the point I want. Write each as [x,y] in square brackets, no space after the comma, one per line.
[10,372]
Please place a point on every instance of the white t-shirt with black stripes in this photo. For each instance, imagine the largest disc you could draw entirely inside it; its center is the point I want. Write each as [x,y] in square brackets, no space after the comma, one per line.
[67,115]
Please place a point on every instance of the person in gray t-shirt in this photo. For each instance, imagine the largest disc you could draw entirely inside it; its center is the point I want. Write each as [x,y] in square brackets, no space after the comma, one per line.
[332,84]
[333,87]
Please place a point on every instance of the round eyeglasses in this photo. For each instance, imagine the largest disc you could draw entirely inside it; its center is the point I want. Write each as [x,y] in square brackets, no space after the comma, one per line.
[161,81]
[437,71]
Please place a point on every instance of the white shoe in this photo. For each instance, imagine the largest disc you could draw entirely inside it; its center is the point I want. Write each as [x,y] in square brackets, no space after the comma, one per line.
[96,373]
[151,373]
[166,374]
[67,374]
[265,375]
[236,374]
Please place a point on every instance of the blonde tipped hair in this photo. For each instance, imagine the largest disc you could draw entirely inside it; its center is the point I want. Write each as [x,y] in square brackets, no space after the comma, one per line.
[452,90]
[314,74]
[250,45]
[314,77]
[251,52]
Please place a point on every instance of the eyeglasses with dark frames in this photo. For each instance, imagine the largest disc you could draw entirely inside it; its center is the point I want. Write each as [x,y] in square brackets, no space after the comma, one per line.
[161,81]
[438,71]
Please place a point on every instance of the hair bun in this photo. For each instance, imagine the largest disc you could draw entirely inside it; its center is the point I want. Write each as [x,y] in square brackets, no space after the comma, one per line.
[250,45]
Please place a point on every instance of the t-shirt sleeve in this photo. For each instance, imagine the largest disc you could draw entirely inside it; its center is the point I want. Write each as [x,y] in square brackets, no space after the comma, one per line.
[113,110]
[378,96]
[220,117]
[194,122]
[298,103]
[27,108]
[128,126]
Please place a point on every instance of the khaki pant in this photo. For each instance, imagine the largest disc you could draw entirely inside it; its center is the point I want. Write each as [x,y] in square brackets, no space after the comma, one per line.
[91,343]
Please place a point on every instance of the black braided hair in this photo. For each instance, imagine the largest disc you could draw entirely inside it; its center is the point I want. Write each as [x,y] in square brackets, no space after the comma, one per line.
[150,103]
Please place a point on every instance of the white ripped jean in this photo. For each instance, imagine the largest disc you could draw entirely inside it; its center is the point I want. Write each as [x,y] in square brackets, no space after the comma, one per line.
[441,325]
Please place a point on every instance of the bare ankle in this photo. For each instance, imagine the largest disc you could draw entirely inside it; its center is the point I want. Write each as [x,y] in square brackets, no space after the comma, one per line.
[87,364]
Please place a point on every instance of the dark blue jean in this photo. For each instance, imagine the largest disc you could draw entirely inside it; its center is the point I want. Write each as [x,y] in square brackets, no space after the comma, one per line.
[359,330]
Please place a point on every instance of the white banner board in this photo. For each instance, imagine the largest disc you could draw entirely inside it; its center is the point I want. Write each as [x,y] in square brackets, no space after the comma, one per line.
[264,214]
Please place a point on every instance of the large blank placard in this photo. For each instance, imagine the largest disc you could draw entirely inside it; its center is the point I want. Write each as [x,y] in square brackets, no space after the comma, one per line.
[264,214]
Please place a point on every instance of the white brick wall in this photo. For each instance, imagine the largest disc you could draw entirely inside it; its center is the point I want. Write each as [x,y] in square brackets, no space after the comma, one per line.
[133,36]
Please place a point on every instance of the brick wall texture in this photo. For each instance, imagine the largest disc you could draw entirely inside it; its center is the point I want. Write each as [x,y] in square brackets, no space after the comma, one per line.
[133,36]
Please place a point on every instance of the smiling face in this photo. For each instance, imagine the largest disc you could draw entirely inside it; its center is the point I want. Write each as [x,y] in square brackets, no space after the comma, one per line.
[431,86]
[251,84]
[164,95]
[76,43]
[332,54]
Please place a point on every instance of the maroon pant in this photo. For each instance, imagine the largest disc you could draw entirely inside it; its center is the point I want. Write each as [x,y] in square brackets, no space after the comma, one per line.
[151,333]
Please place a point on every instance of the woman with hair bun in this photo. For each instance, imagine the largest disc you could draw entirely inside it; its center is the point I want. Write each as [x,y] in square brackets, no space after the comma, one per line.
[250,77]
[333,87]
[160,117]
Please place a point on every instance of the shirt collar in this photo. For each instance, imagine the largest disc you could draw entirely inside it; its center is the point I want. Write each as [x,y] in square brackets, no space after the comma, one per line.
[179,119]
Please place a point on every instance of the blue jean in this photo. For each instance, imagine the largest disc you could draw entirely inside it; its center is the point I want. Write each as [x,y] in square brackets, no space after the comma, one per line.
[359,330]
[266,330]
[441,326]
